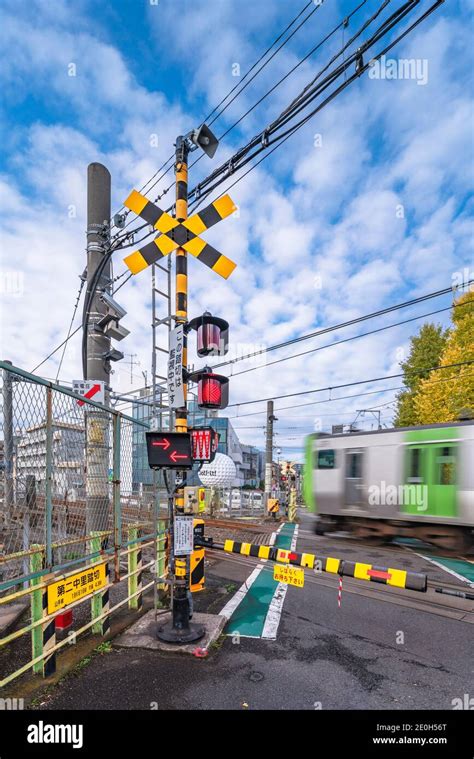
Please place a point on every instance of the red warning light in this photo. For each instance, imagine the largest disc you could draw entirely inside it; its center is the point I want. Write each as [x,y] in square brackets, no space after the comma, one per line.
[213,389]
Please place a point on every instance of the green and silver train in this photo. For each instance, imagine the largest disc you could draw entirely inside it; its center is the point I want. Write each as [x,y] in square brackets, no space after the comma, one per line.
[409,481]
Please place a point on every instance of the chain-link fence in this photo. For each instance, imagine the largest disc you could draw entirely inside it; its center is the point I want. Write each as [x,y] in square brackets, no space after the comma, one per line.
[67,471]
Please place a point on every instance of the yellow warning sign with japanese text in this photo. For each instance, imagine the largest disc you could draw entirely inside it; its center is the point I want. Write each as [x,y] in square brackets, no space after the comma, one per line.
[288,575]
[64,592]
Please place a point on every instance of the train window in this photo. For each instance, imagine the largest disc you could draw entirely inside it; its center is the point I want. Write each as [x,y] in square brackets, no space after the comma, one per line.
[326,459]
[354,465]
[414,468]
[446,466]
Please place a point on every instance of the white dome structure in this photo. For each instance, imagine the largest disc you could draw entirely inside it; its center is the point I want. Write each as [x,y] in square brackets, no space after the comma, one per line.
[219,473]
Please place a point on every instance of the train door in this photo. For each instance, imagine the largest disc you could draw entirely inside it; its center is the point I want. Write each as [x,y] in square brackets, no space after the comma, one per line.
[431,475]
[354,483]
[442,489]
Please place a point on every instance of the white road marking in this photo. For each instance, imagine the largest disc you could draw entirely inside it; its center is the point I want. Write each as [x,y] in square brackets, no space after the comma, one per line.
[272,620]
[441,566]
[239,596]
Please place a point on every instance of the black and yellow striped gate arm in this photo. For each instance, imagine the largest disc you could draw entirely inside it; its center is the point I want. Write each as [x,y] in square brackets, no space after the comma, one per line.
[184,234]
[399,578]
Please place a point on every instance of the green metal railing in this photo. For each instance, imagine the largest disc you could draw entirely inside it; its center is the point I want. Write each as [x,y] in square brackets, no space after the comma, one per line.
[45,495]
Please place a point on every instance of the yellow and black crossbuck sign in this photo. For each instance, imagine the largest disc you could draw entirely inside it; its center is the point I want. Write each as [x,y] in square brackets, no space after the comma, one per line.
[184,234]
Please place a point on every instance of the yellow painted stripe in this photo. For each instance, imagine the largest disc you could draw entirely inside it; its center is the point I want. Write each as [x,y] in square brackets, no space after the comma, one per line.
[181,283]
[224,266]
[398,578]
[332,565]
[195,224]
[165,223]
[181,208]
[195,246]
[264,552]
[228,545]
[135,262]
[136,202]
[282,556]
[224,206]
[307,560]
[245,548]
[165,244]
[360,571]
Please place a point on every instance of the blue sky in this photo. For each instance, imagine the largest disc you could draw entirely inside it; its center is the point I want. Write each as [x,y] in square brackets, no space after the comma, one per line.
[318,239]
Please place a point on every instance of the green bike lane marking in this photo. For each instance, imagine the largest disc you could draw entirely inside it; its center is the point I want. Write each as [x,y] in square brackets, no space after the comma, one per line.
[463,569]
[248,619]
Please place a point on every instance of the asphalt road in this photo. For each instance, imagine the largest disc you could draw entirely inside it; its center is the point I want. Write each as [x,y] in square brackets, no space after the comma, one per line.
[369,654]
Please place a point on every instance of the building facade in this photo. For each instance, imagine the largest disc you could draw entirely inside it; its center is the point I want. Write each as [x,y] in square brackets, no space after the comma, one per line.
[68,441]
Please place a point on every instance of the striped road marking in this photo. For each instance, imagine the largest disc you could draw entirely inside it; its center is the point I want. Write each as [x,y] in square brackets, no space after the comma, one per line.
[255,610]
[272,621]
[453,566]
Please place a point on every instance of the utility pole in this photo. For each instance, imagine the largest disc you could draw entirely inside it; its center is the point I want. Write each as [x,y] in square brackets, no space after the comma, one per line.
[98,348]
[269,451]
[133,356]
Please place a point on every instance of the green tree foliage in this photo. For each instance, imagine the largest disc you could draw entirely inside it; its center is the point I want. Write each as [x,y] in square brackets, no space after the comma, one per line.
[446,394]
[425,351]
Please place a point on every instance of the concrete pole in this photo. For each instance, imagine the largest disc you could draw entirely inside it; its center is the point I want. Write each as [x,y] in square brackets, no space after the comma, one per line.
[98,368]
[269,452]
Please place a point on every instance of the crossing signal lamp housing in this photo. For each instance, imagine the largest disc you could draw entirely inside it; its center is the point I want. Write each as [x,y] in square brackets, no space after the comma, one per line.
[212,335]
[213,389]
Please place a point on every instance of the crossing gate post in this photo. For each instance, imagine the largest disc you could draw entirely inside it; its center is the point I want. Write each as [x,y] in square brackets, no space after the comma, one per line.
[134,570]
[43,637]
[292,506]
[100,602]
[180,630]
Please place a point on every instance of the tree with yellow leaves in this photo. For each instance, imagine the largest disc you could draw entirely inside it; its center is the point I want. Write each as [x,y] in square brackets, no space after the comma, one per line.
[448,393]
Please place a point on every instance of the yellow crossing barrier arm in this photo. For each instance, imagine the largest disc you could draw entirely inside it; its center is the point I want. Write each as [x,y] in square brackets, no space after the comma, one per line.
[398,578]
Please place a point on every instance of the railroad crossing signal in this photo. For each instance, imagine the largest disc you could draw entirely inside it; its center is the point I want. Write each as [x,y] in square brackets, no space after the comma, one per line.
[176,234]
[170,450]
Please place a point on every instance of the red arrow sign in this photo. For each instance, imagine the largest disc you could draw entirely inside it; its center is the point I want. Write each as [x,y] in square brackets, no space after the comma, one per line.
[90,393]
[164,443]
[174,456]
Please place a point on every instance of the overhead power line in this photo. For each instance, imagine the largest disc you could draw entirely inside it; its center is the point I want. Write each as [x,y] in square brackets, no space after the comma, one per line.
[349,323]
[349,384]
[335,400]
[349,339]
[243,83]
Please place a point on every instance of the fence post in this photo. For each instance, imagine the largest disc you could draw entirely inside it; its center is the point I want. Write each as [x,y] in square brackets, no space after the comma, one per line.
[8,446]
[116,432]
[28,509]
[49,477]
[43,637]
[134,563]
[161,554]
[100,603]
